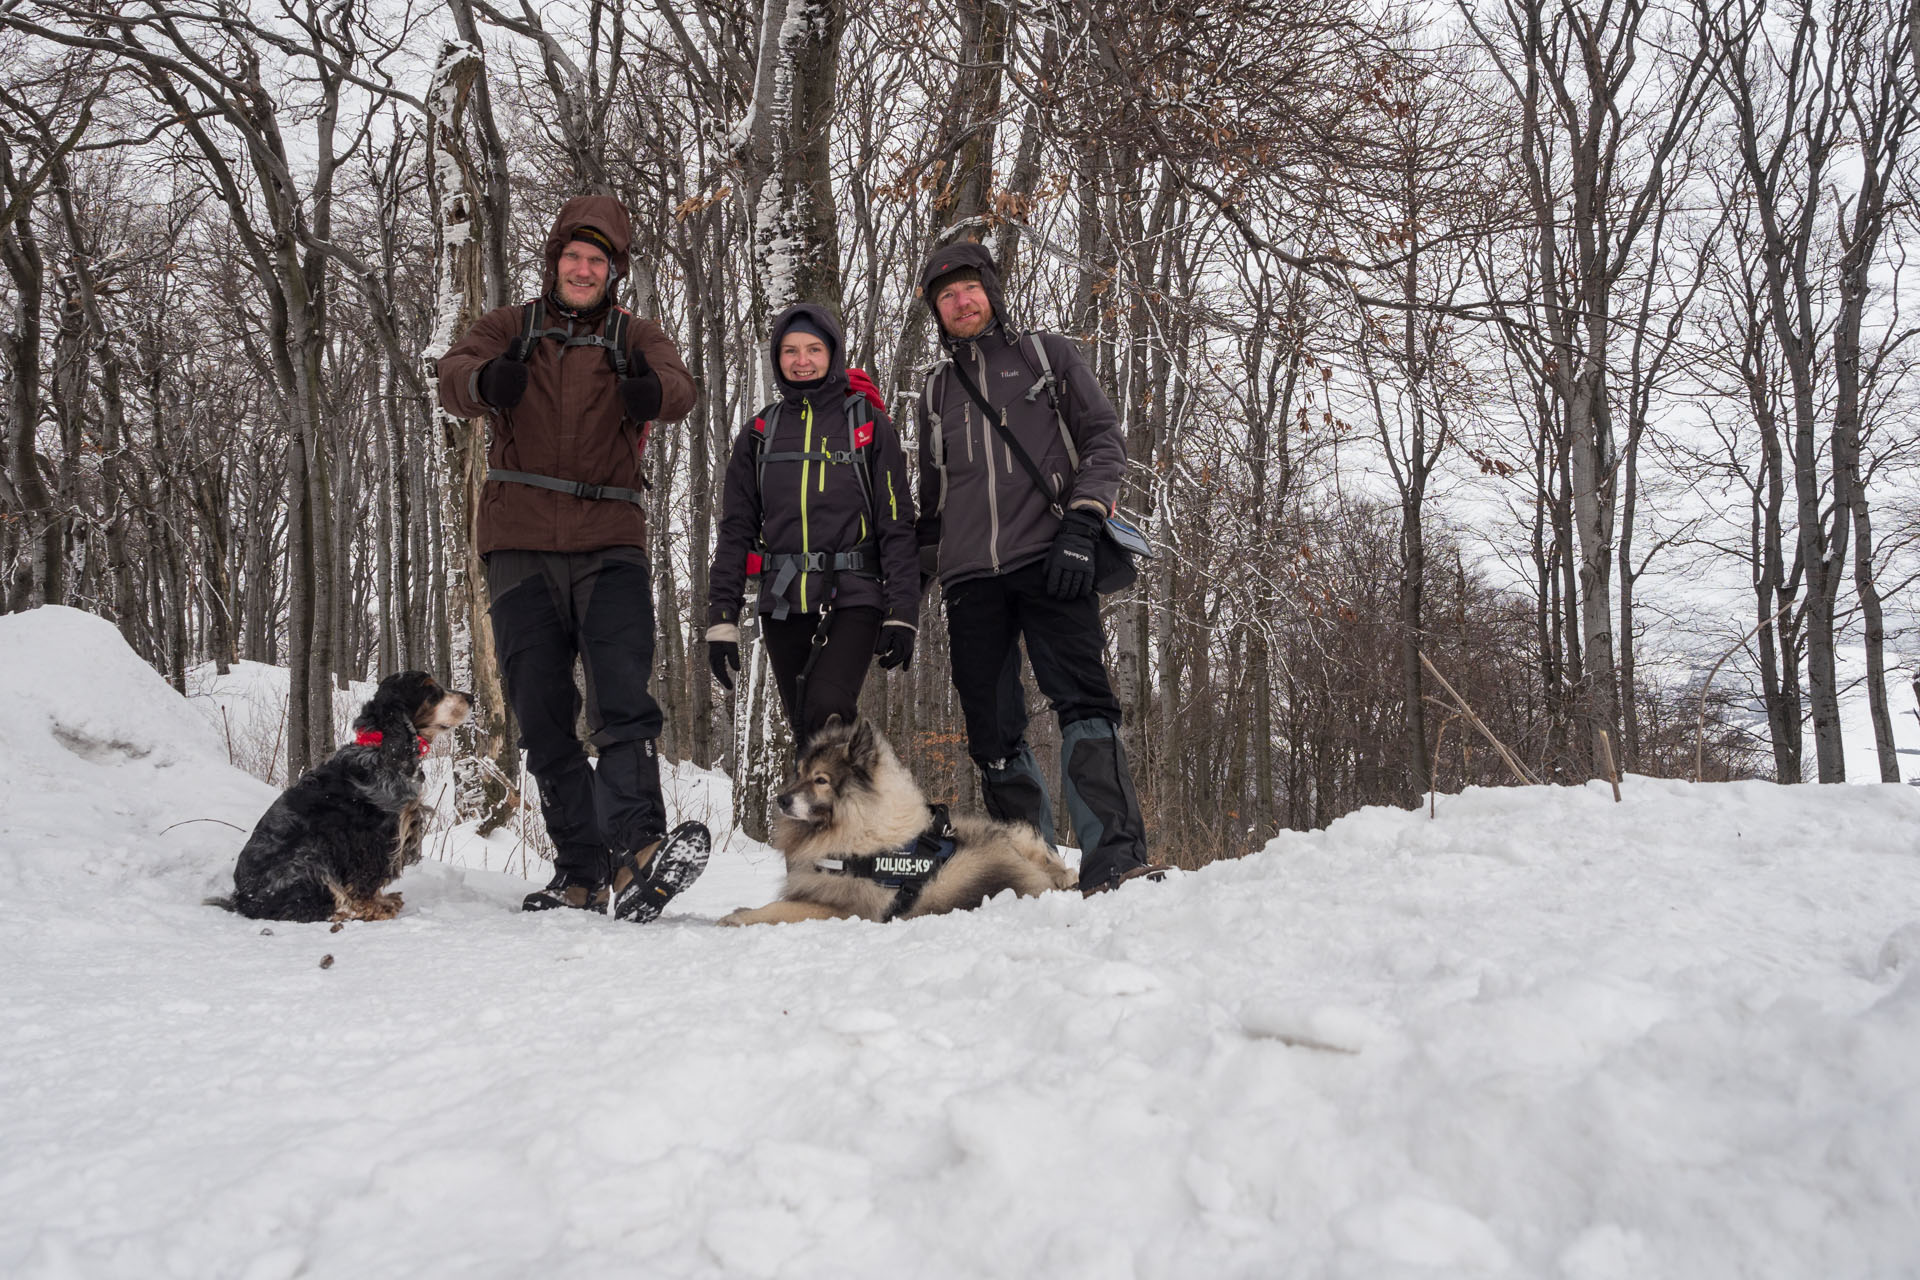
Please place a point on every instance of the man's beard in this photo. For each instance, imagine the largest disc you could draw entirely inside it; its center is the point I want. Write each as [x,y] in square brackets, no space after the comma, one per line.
[561,296]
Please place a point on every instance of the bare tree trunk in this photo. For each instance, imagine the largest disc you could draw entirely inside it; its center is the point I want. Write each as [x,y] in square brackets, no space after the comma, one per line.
[707,364]
[31,496]
[789,155]
[485,770]
[493,173]
[1880,102]
[1782,169]
[961,163]
[386,469]
[1596,166]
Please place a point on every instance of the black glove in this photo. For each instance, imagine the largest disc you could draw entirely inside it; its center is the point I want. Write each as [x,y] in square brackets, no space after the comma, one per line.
[895,647]
[929,565]
[723,658]
[1070,563]
[502,382]
[640,394]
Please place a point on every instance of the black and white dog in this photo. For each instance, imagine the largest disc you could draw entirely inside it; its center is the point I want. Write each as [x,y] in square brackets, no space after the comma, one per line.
[335,839]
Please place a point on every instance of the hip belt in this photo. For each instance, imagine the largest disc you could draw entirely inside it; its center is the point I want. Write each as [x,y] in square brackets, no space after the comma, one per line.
[577,488]
[788,565]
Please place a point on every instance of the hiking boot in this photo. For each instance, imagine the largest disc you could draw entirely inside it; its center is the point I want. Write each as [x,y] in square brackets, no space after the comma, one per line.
[1155,871]
[645,880]
[567,889]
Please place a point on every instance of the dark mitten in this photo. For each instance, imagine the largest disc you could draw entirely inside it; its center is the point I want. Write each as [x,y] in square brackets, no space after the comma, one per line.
[640,395]
[895,647]
[929,564]
[723,657]
[1070,563]
[502,382]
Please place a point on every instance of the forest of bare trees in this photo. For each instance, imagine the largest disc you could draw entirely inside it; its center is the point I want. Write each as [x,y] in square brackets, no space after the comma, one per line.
[1517,357]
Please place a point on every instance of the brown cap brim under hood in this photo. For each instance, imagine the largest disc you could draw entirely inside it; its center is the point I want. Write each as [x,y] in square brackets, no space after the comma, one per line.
[953,258]
[605,215]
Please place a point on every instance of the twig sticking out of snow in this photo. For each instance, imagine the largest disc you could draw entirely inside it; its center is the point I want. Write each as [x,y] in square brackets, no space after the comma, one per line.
[1613,774]
[1460,704]
[185,821]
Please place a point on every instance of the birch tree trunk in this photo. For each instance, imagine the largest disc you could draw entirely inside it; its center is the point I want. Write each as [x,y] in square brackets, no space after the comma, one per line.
[788,155]
[489,759]
[782,155]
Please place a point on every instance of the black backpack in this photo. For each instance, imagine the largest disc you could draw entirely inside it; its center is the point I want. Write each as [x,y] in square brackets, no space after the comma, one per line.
[533,319]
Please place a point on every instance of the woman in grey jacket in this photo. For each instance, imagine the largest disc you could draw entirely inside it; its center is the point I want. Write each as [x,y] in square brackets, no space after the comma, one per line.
[816,509]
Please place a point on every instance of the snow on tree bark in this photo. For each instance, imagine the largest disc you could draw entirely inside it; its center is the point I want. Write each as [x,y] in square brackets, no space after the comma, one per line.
[782,152]
[486,755]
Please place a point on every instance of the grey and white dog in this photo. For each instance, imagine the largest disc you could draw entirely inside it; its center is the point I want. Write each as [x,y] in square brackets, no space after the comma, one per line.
[852,798]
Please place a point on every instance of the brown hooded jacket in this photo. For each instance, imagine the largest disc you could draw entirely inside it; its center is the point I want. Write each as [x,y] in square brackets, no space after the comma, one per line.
[571,424]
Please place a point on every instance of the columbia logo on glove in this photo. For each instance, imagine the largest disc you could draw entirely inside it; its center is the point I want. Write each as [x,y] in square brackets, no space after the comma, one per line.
[1070,562]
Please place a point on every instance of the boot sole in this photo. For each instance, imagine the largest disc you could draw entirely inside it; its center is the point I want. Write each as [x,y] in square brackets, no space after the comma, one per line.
[678,862]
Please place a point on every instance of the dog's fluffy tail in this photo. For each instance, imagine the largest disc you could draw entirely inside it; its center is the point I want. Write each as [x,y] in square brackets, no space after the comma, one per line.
[225,904]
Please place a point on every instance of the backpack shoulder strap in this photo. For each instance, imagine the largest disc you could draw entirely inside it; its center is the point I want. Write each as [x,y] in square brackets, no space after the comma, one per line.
[533,316]
[1047,383]
[860,436]
[762,428]
[617,340]
[937,445]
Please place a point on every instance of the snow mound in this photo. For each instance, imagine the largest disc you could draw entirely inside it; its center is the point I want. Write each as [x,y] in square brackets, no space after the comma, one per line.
[1539,1035]
[68,678]
[116,791]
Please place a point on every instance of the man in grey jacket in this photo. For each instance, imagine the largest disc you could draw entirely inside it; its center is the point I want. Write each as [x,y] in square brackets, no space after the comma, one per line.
[1017,561]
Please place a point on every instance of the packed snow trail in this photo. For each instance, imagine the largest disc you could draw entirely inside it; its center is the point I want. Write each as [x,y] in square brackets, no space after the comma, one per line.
[1544,1035]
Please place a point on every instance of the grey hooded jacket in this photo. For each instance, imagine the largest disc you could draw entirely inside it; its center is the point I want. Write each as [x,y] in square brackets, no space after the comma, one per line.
[978,504]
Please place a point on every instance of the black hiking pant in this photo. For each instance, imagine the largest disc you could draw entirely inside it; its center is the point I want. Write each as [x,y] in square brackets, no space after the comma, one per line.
[833,686]
[987,618]
[549,608]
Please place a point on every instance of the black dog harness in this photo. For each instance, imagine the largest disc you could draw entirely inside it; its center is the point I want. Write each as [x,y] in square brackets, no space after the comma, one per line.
[905,870]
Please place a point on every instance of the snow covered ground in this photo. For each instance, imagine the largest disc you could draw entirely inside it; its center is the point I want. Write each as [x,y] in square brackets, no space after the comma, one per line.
[1544,1035]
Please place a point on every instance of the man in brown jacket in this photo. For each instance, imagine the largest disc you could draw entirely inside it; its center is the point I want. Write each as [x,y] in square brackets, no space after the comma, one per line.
[570,383]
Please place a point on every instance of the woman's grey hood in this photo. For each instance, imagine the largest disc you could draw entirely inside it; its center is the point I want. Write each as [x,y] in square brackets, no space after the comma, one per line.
[835,387]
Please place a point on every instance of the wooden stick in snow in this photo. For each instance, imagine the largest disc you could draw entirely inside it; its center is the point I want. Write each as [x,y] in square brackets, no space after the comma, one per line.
[1613,774]
[1460,704]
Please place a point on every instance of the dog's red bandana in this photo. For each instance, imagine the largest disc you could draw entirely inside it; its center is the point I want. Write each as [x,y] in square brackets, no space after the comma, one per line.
[373,738]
